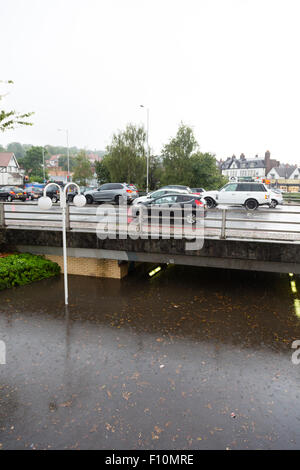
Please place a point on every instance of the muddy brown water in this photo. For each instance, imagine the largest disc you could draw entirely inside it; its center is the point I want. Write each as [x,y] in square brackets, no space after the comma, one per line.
[189,359]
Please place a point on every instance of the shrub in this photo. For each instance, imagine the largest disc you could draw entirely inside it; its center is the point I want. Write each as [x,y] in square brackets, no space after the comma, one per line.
[21,269]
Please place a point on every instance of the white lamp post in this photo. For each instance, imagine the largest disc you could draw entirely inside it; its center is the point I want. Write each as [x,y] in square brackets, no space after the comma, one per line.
[68,152]
[148,149]
[45,203]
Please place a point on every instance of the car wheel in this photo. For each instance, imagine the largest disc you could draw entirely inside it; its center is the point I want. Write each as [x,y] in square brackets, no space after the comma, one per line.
[89,199]
[191,219]
[210,202]
[273,204]
[251,204]
[54,199]
[9,198]
[70,198]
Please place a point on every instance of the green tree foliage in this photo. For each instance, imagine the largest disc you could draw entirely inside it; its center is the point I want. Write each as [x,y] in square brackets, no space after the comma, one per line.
[2,149]
[63,162]
[12,119]
[126,156]
[82,170]
[103,175]
[176,157]
[205,172]
[184,164]
[17,149]
[32,162]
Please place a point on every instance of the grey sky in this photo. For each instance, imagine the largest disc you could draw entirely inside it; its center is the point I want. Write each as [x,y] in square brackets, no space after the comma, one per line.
[228,68]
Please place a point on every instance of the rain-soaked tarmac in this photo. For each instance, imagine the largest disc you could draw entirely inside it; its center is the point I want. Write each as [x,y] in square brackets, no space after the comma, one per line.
[190,359]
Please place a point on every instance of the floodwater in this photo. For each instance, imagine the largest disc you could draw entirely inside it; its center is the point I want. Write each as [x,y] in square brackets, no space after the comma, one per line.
[189,359]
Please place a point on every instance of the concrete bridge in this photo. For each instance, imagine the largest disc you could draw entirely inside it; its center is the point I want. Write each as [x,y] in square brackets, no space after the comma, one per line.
[233,239]
[110,258]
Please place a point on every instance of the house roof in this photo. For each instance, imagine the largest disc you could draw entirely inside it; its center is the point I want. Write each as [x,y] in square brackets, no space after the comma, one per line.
[284,171]
[243,163]
[5,158]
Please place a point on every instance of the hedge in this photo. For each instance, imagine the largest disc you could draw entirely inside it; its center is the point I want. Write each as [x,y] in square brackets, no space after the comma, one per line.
[21,269]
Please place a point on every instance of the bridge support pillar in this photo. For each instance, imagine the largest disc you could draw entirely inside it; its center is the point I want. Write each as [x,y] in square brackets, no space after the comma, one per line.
[94,267]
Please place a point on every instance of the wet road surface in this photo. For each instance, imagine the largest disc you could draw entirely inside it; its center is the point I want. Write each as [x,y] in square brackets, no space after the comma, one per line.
[190,359]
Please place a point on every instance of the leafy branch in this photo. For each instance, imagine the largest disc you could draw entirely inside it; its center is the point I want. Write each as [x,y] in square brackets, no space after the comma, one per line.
[11,119]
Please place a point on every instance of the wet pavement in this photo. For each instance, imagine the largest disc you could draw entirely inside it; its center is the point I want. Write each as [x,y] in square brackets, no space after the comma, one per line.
[190,359]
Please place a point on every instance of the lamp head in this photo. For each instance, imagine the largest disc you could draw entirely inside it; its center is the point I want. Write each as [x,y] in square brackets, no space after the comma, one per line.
[44,203]
[79,200]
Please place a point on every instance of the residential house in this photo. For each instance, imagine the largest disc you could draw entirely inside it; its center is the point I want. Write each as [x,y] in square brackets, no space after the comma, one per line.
[247,167]
[53,161]
[285,177]
[10,171]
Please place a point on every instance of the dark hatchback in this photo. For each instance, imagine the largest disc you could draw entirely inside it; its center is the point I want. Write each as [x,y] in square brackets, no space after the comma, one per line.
[189,207]
[11,193]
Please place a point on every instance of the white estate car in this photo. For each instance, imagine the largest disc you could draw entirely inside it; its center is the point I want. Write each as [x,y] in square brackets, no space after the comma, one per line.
[249,195]
[158,193]
[275,198]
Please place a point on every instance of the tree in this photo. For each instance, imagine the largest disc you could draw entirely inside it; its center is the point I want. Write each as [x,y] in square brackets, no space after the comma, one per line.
[63,162]
[32,162]
[205,172]
[82,170]
[176,157]
[103,175]
[17,149]
[12,119]
[126,156]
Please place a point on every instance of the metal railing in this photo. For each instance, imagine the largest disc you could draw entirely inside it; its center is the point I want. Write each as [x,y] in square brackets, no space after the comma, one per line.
[273,225]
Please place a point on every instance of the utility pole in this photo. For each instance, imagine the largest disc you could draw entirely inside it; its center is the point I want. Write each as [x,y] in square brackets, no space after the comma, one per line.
[148,148]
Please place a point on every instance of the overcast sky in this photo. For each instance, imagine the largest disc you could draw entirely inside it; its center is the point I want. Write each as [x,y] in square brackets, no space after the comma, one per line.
[228,68]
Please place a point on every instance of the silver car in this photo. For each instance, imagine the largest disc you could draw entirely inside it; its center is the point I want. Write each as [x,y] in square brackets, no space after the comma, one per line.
[120,193]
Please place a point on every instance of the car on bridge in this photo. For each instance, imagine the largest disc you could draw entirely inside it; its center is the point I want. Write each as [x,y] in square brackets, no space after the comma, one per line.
[10,193]
[275,198]
[198,191]
[52,192]
[248,194]
[158,193]
[119,193]
[154,208]
[177,186]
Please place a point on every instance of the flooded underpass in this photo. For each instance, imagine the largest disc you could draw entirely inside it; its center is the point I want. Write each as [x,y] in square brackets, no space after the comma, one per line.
[188,359]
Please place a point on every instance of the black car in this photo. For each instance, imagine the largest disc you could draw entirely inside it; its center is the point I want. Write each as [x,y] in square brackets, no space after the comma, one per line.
[11,193]
[52,192]
[154,208]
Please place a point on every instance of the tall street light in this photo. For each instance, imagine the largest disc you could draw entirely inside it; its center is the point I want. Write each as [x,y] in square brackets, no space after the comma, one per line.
[45,203]
[68,153]
[148,149]
[44,165]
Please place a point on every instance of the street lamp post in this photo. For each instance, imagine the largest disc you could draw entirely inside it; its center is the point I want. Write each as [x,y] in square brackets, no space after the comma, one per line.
[148,149]
[45,203]
[44,165]
[68,152]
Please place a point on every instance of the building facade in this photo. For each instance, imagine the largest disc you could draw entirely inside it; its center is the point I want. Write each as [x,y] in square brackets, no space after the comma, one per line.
[247,167]
[10,172]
